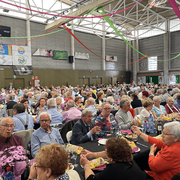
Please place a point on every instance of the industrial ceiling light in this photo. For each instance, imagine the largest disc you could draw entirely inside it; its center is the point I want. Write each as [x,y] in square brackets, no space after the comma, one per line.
[6,10]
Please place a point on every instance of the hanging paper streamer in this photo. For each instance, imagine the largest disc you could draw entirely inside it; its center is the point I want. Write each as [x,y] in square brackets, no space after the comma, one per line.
[175,7]
[115,29]
[94,52]
[75,17]
[50,30]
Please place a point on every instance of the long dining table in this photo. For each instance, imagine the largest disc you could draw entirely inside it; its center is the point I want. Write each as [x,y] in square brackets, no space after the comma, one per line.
[94,146]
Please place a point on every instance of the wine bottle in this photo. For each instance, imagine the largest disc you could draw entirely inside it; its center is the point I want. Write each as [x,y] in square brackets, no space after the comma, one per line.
[159,127]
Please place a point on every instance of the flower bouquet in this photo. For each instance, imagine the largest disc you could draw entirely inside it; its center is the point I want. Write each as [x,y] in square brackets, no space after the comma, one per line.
[13,162]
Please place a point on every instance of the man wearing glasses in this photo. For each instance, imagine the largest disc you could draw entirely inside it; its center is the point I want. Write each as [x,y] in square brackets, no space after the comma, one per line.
[7,139]
[84,130]
[45,134]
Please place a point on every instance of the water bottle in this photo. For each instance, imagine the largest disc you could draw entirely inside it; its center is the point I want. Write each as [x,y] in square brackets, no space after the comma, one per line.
[145,126]
[147,129]
[151,124]
[9,175]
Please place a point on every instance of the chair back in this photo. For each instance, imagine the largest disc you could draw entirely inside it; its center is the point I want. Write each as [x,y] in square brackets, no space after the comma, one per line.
[69,136]
[138,110]
[26,135]
[67,127]
[9,112]
[176,177]
[57,126]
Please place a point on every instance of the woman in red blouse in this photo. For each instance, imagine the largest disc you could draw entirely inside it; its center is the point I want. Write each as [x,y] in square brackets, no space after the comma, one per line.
[170,108]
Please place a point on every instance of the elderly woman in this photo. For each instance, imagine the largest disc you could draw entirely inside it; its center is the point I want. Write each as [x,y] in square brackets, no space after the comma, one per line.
[145,96]
[110,100]
[157,109]
[136,102]
[145,113]
[68,97]
[106,120]
[119,154]
[99,99]
[124,116]
[53,167]
[78,102]
[42,107]
[170,108]
[27,108]
[165,164]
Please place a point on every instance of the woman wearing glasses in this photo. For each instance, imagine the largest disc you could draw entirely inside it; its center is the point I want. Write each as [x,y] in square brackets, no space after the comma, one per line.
[51,163]
[165,164]
[106,120]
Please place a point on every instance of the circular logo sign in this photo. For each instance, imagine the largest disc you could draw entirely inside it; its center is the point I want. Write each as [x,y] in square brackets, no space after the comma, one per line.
[21,50]
[22,60]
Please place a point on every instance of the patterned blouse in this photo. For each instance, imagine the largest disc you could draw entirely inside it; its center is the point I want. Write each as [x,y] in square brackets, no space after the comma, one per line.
[104,124]
[63,177]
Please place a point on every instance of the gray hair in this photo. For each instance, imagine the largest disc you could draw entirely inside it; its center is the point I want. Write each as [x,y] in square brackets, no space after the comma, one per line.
[159,91]
[169,98]
[45,94]
[51,102]
[60,98]
[103,104]
[123,102]
[164,90]
[3,119]
[174,128]
[110,99]
[175,90]
[92,100]
[70,104]
[85,111]
[10,97]
[44,113]
[157,97]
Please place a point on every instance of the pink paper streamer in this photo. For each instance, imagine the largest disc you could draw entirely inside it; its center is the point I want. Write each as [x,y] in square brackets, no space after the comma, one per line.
[175,7]
[2,172]
[19,168]
[75,17]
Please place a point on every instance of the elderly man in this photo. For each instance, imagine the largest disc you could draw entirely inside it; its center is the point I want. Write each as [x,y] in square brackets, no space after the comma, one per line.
[7,139]
[84,130]
[71,112]
[10,103]
[90,105]
[56,116]
[177,102]
[22,120]
[45,134]
[123,116]
[59,104]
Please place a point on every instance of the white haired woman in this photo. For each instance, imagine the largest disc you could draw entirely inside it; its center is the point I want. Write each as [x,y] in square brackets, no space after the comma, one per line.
[157,110]
[110,100]
[170,107]
[165,164]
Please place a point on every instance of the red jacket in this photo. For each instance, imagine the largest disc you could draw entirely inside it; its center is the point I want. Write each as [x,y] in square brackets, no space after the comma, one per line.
[166,163]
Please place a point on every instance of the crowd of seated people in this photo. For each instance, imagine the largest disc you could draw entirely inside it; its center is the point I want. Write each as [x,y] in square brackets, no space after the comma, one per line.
[92,106]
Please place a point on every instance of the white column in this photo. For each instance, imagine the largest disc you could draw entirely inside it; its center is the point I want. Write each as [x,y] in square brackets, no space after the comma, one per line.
[166,52]
[103,46]
[72,48]
[28,25]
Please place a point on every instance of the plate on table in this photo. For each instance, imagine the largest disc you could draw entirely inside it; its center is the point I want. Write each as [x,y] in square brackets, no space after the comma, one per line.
[138,149]
[102,141]
[131,136]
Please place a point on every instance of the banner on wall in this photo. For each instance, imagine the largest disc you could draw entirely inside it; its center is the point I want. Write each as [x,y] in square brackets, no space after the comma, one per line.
[60,54]
[21,55]
[23,70]
[79,55]
[6,60]
[43,52]
[5,49]
[111,58]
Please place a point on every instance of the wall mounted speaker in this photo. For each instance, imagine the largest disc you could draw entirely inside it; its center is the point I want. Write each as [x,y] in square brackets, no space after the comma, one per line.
[71,59]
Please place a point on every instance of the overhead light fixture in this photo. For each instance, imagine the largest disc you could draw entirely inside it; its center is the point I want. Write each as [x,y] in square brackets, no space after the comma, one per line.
[6,10]
[108,33]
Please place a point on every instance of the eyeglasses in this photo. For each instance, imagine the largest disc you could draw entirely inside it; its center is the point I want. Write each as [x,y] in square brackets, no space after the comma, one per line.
[44,120]
[107,109]
[7,126]
[36,167]
[165,134]
[89,116]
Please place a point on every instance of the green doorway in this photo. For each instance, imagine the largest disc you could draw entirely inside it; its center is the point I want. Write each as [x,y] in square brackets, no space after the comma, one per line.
[152,79]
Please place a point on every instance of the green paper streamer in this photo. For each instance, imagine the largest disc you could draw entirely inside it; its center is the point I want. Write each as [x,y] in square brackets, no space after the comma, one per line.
[115,29]
[50,32]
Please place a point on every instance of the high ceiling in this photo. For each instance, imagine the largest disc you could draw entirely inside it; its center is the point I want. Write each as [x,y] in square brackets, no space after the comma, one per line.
[129,22]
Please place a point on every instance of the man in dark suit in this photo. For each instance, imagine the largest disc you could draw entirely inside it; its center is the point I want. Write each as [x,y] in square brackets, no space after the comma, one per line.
[84,130]
[10,103]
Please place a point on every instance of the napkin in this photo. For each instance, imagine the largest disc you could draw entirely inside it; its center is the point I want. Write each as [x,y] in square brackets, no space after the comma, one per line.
[101,167]
[135,149]
[99,139]
[127,131]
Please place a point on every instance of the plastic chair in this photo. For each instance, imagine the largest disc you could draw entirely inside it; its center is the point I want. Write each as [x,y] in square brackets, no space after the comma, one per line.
[57,126]
[10,112]
[138,110]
